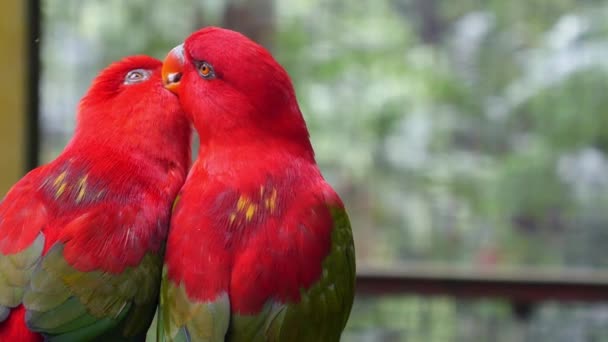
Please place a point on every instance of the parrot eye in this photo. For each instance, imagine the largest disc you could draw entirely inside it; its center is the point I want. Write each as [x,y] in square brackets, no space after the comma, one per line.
[206,70]
[136,76]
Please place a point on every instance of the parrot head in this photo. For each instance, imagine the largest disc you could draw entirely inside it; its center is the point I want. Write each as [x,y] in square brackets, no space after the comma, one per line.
[233,90]
[127,105]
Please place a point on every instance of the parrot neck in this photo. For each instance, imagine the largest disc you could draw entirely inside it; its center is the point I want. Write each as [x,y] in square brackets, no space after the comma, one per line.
[257,159]
[252,148]
[129,166]
[254,133]
[166,150]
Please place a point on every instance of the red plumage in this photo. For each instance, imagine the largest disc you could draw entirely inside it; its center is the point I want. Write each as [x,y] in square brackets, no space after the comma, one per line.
[254,145]
[14,328]
[245,258]
[107,198]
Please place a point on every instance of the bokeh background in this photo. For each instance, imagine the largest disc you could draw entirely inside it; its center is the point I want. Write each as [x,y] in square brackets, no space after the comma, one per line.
[462,135]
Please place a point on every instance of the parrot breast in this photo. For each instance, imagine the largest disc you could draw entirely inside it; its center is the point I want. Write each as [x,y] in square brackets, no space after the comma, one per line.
[267,241]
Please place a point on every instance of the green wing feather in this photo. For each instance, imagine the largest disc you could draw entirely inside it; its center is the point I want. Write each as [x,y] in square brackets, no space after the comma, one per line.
[323,311]
[182,319]
[15,273]
[66,304]
[21,241]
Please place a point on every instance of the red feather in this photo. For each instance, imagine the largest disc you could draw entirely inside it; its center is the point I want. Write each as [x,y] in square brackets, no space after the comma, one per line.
[253,140]
[273,255]
[14,328]
[130,151]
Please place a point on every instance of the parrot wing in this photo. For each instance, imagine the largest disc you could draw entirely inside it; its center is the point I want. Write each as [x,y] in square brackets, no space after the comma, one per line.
[91,267]
[22,218]
[89,283]
[323,309]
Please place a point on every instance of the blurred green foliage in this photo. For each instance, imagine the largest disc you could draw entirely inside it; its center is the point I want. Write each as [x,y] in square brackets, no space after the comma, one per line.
[464,132]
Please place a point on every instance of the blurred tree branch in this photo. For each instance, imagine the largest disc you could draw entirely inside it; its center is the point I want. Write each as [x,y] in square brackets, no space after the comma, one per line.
[255,19]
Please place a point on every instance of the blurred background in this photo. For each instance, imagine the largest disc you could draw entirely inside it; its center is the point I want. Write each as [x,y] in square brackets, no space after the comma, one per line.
[468,139]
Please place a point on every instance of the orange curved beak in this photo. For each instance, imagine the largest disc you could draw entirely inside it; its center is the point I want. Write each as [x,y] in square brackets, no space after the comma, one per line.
[172,68]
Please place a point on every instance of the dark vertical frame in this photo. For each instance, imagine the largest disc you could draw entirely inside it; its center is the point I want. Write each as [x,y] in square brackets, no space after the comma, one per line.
[33,39]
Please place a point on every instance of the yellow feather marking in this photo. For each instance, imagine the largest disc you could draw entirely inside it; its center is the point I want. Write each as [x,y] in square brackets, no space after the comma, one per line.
[241,203]
[250,212]
[59,184]
[272,203]
[82,185]
[60,178]
[232,218]
[61,190]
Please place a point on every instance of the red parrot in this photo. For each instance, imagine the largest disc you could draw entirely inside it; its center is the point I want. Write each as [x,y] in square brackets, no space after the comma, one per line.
[260,246]
[82,238]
